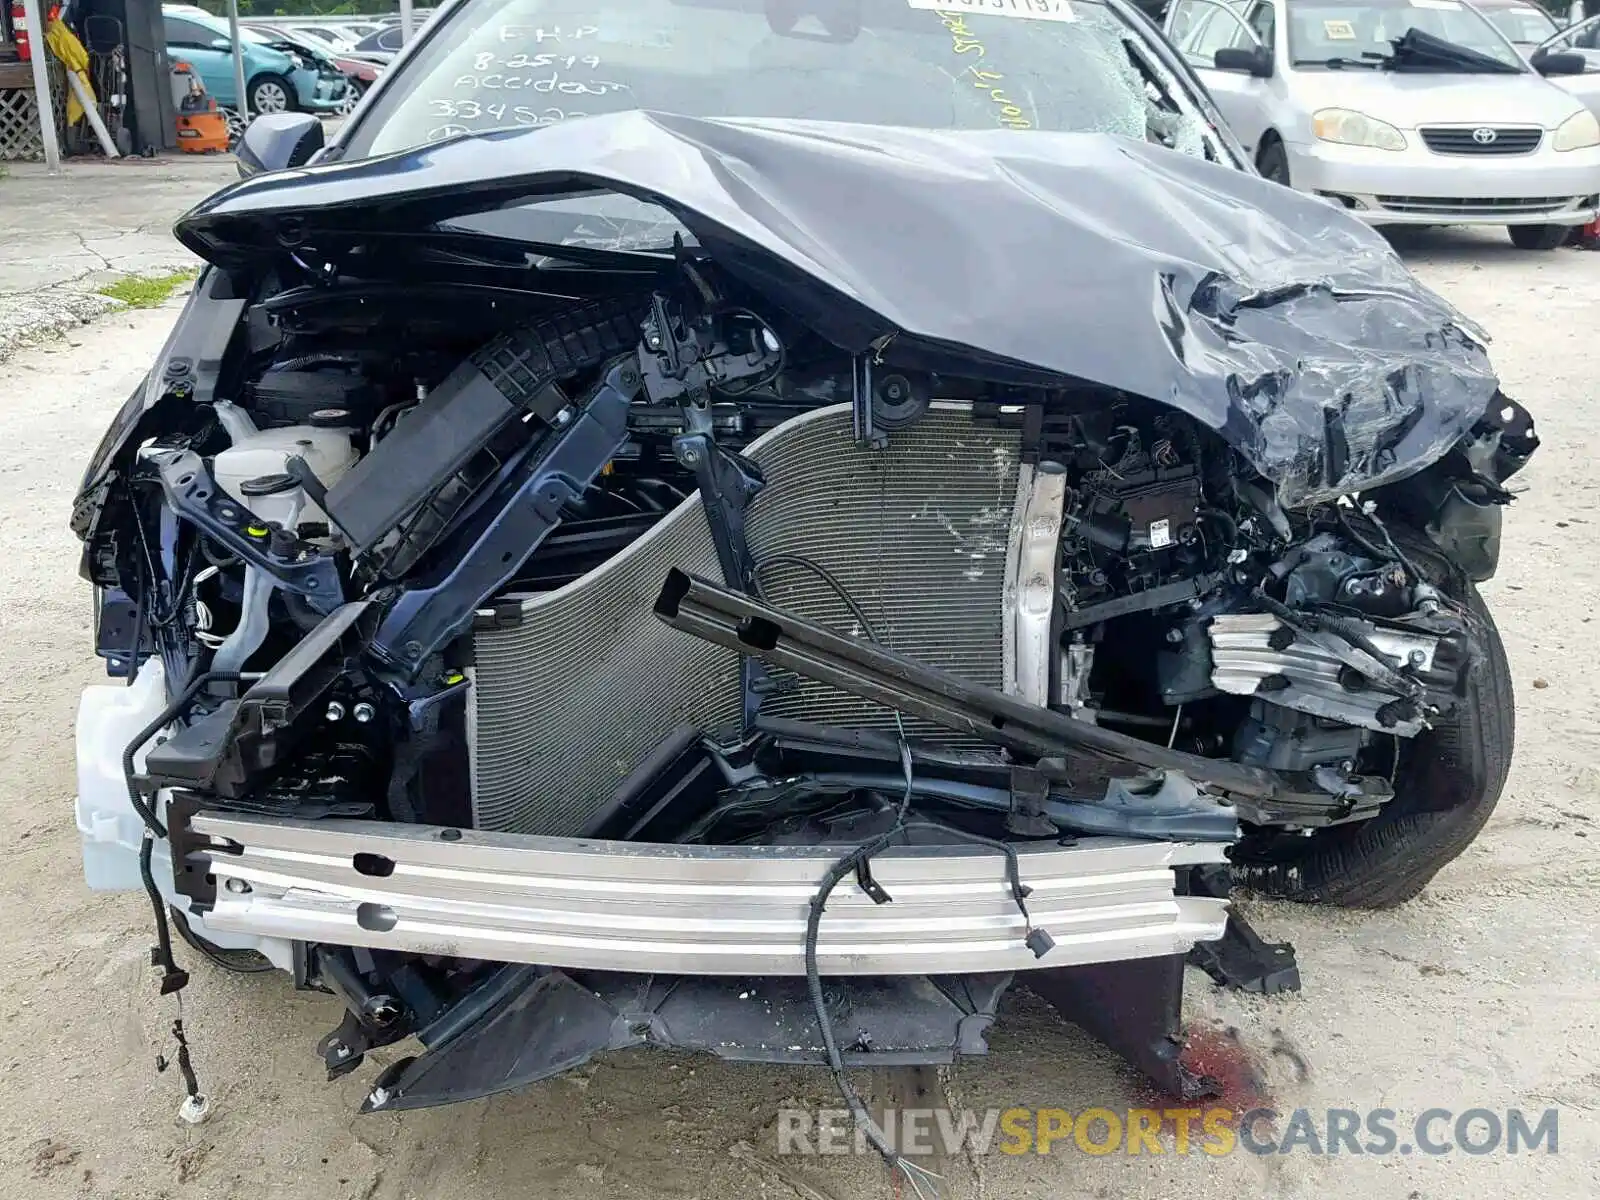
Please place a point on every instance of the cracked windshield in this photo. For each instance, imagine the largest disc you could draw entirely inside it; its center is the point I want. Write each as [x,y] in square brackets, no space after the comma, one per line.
[1059,65]
[1033,64]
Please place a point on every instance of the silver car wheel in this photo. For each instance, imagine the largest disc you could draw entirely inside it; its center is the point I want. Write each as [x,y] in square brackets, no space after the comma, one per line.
[269,96]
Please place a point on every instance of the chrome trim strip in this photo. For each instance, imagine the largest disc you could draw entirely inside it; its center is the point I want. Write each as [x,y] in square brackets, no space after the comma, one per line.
[712,910]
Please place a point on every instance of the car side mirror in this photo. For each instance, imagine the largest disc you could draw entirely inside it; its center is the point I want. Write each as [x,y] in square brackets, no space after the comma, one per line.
[277,141]
[222,44]
[1256,61]
[1561,63]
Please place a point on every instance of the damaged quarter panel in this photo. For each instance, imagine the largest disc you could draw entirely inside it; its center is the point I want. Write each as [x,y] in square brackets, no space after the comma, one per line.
[1271,317]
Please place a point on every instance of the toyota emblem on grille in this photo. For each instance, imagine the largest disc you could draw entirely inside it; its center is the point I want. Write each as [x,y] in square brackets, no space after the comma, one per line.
[1484,136]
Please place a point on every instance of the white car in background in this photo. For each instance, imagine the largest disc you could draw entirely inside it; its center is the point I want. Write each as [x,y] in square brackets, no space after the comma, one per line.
[1525,25]
[1407,112]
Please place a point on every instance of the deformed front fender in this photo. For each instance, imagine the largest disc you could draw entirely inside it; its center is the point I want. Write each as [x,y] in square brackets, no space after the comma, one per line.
[1280,321]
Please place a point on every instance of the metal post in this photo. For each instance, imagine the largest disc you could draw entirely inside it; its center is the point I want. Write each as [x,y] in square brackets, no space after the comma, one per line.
[238,60]
[41,87]
[407,25]
[91,113]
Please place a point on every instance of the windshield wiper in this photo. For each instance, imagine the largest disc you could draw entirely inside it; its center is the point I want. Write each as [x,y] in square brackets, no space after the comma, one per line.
[1421,51]
[1338,64]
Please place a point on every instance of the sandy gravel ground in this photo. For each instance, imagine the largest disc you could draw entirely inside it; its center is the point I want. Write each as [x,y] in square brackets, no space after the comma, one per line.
[1483,993]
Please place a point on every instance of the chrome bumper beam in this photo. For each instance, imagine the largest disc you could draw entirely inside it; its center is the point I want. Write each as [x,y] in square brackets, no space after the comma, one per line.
[709,910]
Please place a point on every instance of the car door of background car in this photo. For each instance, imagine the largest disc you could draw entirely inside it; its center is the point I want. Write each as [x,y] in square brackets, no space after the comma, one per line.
[1582,39]
[1199,28]
[205,51]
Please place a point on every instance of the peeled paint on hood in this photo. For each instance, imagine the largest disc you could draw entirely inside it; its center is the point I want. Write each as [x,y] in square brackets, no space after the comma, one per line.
[1273,317]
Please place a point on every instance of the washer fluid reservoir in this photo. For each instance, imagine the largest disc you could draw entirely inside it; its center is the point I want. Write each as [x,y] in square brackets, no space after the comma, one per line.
[257,456]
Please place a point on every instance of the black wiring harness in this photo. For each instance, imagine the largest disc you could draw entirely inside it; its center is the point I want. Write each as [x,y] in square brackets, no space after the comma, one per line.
[173,978]
[857,860]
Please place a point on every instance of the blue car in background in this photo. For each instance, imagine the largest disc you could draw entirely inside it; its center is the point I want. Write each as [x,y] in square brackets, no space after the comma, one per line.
[275,81]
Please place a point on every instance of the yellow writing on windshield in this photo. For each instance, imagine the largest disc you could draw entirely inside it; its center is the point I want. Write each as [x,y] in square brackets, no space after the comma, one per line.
[982,75]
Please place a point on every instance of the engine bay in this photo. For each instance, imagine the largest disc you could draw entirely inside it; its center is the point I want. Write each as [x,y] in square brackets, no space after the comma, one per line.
[441,462]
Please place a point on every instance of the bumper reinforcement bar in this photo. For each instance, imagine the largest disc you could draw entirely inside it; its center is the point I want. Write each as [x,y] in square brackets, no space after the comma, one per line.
[712,910]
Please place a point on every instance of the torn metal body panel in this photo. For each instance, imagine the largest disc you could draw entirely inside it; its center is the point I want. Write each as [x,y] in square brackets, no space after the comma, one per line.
[1253,653]
[1271,317]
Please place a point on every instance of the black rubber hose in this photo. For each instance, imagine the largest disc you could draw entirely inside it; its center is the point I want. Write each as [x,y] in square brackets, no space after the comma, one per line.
[1359,538]
[827,577]
[1229,525]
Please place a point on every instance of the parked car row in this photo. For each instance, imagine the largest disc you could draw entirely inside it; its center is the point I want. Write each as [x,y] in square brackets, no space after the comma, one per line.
[278,77]
[288,66]
[360,71]
[1405,112]
[378,39]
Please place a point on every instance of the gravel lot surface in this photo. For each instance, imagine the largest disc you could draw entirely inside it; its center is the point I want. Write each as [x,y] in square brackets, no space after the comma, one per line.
[1485,992]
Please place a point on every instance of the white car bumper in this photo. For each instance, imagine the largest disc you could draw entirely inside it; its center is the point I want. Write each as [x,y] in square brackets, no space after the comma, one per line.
[1415,186]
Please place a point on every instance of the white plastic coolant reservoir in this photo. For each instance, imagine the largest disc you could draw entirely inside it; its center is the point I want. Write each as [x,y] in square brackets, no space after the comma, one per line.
[328,452]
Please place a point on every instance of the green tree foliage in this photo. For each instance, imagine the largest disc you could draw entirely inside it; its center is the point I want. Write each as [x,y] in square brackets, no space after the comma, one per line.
[303,8]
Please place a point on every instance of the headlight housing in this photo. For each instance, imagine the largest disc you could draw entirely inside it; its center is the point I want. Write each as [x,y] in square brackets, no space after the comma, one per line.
[1578,132]
[1351,128]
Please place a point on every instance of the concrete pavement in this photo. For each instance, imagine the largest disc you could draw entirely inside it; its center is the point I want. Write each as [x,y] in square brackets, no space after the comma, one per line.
[66,235]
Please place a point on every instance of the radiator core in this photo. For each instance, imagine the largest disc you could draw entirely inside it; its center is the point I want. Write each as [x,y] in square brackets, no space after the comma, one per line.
[566,701]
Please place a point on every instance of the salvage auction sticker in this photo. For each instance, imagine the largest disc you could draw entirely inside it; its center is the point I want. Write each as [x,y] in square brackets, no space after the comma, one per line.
[1028,10]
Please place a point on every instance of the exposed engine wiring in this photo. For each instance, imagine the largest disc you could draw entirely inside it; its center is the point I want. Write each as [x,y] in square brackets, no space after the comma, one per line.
[173,979]
[777,369]
[240,962]
[202,612]
[856,860]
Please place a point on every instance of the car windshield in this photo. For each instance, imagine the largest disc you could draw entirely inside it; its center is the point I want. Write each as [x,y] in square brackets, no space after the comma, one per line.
[945,64]
[1352,30]
[1523,24]
[1585,35]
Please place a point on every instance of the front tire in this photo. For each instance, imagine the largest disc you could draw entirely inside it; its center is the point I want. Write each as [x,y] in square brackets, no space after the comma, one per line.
[1448,782]
[1538,237]
[271,94]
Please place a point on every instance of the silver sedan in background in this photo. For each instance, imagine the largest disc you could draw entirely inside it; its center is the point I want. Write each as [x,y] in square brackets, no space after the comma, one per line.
[1407,112]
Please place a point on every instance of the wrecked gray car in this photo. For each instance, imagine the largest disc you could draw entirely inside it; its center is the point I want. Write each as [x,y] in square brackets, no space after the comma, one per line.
[768,585]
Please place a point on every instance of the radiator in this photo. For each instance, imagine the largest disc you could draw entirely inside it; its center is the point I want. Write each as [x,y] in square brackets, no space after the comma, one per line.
[570,697]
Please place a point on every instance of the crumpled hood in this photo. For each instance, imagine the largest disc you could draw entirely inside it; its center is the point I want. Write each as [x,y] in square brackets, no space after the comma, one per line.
[1270,316]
